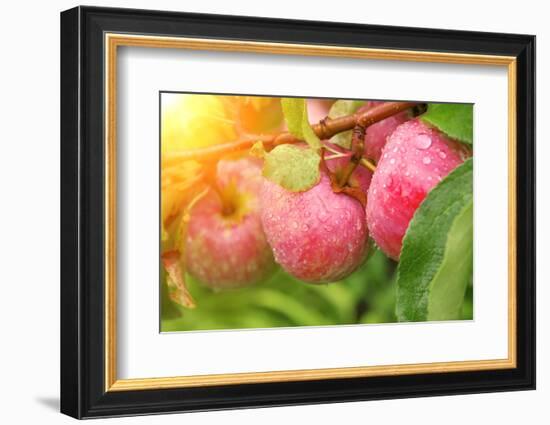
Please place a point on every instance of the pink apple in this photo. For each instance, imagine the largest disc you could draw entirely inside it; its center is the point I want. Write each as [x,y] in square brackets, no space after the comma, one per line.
[415,158]
[225,245]
[317,236]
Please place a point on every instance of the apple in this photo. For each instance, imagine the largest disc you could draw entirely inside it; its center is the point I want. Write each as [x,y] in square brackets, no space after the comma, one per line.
[415,158]
[225,244]
[317,236]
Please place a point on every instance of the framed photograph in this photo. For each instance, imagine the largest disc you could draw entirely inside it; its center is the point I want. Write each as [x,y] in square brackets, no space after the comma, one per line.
[261,212]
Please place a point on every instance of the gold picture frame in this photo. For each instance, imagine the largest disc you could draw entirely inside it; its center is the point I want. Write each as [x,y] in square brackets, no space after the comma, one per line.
[114,41]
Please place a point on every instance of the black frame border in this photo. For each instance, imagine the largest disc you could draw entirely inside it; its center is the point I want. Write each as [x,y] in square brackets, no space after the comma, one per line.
[82,212]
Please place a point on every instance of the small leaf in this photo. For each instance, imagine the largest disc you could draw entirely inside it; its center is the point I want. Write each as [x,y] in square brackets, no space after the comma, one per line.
[436,259]
[292,167]
[455,120]
[257,150]
[295,112]
[342,108]
[177,287]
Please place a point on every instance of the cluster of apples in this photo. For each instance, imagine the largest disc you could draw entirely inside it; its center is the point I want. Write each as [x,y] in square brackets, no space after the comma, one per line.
[238,234]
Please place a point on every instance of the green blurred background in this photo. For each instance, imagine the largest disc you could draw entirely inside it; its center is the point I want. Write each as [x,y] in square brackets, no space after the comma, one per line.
[366,296]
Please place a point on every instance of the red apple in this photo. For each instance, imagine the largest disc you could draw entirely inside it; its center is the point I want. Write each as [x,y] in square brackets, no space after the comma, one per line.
[225,245]
[415,158]
[318,235]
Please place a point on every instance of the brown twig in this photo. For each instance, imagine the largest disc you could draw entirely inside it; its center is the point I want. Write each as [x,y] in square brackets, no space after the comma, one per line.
[357,147]
[324,130]
[367,164]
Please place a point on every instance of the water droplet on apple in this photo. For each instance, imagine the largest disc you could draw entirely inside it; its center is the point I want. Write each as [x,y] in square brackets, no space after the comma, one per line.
[423,141]
[322,215]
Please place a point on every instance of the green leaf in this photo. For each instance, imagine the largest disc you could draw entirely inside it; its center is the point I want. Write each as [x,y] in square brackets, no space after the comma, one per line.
[446,298]
[295,112]
[257,150]
[455,120]
[436,259]
[293,167]
[342,108]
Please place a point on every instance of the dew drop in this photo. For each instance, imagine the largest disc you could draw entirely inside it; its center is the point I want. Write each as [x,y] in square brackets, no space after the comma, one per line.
[323,215]
[392,161]
[426,160]
[442,155]
[294,224]
[423,141]
[305,227]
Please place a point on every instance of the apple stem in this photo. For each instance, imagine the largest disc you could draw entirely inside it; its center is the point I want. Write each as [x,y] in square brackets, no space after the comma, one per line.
[357,146]
[332,150]
[227,206]
[368,164]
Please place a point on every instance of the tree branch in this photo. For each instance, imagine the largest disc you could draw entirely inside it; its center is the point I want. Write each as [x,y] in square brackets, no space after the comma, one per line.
[324,130]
